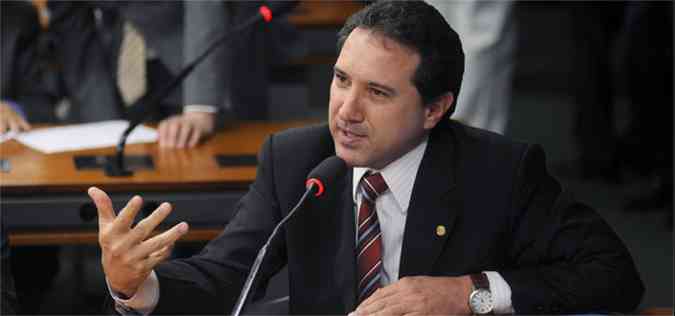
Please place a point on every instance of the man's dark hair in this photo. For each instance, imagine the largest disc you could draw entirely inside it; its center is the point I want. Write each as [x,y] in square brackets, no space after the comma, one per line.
[419,26]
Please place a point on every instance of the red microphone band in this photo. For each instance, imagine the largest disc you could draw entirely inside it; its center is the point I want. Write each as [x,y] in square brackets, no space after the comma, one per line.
[266,13]
[316,181]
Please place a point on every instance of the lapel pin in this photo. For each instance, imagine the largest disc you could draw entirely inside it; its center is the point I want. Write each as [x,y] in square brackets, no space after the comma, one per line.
[440,230]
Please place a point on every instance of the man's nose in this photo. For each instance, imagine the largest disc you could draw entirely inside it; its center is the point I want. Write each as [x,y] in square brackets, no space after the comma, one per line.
[351,109]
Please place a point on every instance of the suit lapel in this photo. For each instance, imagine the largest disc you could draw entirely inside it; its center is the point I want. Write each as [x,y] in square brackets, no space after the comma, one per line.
[345,263]
[434,204]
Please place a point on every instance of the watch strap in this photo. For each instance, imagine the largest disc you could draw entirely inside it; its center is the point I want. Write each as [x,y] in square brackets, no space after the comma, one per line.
[480,281]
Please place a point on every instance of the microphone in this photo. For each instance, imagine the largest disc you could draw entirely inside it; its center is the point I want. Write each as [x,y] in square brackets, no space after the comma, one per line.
[140,109]
[326,172]
[276,8]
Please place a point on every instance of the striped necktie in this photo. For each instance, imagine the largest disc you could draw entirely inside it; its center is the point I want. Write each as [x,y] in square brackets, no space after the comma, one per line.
[369,244]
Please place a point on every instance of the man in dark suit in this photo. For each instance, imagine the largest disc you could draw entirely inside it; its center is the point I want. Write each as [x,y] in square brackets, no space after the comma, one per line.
[230,83]
[432,217]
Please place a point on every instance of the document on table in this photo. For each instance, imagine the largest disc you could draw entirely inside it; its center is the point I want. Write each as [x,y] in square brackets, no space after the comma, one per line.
[7,136]
[84,136]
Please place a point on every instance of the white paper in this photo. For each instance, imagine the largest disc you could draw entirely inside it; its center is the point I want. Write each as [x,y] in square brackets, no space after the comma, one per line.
[7,136]
[84,136]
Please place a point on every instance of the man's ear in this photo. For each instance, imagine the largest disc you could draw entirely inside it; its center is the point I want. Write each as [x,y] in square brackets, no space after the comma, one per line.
[436,110]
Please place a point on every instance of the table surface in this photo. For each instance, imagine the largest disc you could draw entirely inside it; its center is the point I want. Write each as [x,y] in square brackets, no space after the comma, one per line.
[34,173]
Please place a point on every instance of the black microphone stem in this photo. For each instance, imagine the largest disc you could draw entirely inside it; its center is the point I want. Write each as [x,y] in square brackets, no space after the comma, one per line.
[261,255]
[119,152]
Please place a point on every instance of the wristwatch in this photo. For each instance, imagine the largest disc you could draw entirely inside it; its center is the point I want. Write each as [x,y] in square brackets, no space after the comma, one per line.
[480,300]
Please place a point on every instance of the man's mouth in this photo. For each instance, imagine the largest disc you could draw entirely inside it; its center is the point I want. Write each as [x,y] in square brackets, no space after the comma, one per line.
[349,133]
[350,136]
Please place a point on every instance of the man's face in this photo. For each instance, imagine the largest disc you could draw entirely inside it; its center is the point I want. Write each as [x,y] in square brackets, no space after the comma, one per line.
[376,114]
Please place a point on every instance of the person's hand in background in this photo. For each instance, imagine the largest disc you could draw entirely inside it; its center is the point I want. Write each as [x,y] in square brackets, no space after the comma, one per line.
[10,120]
[186,130]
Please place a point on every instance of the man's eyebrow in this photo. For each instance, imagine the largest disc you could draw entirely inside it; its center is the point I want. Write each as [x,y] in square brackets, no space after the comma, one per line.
[371,84]
[380,86]
[339,71]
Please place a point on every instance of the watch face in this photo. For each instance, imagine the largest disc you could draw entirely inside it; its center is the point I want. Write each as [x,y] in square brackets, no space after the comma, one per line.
[481,302]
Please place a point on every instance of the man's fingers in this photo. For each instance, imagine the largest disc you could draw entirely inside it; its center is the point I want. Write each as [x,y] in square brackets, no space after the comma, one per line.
[127,215]
[167,238]
[181,131]
[18,124]
[168,129]
[369,309]
[104,206]
[395,308]
[148,224]
[384,306]
[5,115]
[185,130]
[11,121]
[194,139]
[162,131]
[379,295]
[158,256]
[371,305]
[161,252]
[23,124]
[14,125]
[172,133]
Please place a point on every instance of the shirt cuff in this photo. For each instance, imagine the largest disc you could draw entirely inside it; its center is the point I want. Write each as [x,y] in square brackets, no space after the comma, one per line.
[200,108]
[501,293]
[143,302]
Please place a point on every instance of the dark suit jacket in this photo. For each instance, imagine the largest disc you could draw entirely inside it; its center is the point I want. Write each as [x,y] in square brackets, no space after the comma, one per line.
[503,212]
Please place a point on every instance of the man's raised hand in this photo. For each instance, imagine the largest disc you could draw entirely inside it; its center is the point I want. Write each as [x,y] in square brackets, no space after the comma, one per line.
[128,255]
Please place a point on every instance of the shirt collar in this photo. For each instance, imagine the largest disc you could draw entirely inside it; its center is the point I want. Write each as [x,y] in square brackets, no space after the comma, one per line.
[400,175]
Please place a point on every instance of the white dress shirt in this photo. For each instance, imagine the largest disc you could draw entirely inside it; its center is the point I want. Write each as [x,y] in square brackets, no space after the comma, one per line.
[392,209]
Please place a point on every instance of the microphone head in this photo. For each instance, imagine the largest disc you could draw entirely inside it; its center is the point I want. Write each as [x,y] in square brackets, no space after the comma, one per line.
[274,9]
[326,172]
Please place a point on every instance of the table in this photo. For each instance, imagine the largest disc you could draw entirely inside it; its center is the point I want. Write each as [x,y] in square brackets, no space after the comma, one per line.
[44,201]
[309,14]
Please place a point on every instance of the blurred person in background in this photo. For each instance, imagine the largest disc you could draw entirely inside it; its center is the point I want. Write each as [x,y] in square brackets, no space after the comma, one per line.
[108,48]
[111,54]
[27,94]
[488,33]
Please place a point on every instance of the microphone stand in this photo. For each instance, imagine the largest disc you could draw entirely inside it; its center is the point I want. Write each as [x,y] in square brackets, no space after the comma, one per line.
[116,166]
[261,254]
